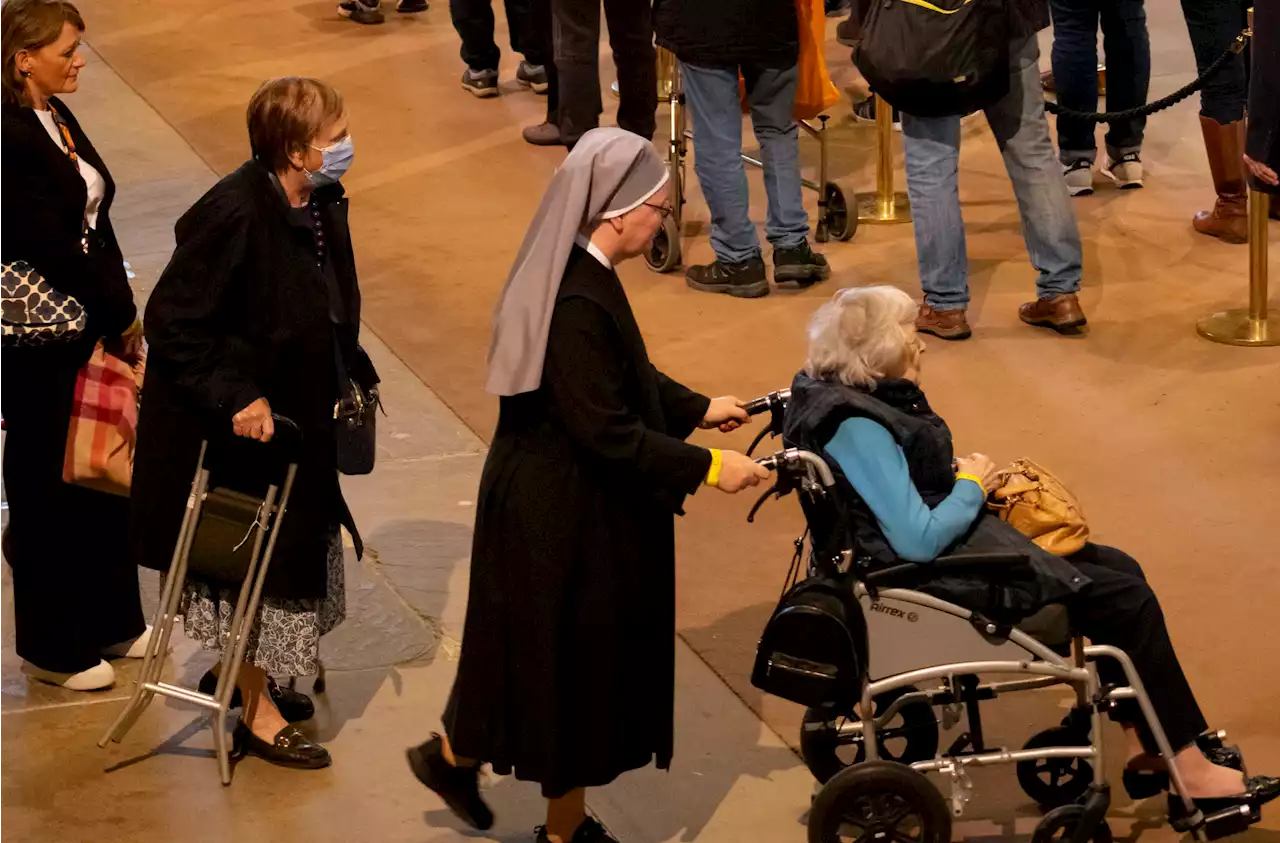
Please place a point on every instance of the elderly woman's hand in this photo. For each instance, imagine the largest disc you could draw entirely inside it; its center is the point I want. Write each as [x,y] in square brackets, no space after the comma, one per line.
[725,413]
[255,422]
[980,466]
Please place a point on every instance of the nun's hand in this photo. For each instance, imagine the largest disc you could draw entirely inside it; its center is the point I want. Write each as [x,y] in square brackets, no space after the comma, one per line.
[738,471]
[1262,172]
[255,422]
[725,413]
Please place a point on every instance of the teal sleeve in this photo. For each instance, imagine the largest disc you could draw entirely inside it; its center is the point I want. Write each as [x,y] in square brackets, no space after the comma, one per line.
[877,468]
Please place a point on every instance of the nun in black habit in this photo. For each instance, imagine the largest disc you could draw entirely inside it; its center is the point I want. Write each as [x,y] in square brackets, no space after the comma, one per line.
[567,668]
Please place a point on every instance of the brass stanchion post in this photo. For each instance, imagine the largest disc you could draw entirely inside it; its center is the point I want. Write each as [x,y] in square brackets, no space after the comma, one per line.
[1253,325]
[885,206]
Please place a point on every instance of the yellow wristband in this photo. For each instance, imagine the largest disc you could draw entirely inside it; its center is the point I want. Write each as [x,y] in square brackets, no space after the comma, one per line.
[971,477]
[713,473]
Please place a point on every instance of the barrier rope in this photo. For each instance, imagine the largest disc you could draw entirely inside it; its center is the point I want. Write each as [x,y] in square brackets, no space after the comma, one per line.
[1236,48]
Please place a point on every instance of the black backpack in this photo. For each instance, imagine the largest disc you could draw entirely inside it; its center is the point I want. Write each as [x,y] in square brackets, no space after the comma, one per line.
[934,58]
[814,648]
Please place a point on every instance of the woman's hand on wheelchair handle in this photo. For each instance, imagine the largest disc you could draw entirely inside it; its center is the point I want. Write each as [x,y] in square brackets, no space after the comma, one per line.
[980,466]
[738,471]
[725,413]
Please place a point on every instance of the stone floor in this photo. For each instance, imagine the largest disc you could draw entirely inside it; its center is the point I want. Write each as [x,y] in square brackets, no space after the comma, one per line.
[1144,418]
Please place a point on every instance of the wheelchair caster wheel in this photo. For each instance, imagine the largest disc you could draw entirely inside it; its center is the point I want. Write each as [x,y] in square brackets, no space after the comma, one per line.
[1052,782]
[664,253]
[841,219]
[911,736]
[880,801]
[1059,826]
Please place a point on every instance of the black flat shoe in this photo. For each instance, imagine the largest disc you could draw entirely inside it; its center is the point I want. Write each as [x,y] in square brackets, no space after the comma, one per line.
[459,787]
[1229,814]
[591,831]
[290,748]
[294,706]
[1143,784]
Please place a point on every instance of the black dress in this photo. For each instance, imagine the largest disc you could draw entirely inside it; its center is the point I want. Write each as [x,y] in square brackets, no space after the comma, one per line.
[75,588]
[567,668]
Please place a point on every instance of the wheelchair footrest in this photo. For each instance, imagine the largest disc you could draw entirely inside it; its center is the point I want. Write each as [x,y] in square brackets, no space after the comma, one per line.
[1231,821]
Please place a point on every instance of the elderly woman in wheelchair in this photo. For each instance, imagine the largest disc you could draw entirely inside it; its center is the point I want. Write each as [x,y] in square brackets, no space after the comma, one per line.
[929,591]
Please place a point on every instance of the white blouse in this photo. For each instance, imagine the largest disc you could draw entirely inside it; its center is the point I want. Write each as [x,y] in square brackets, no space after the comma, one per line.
[93,181]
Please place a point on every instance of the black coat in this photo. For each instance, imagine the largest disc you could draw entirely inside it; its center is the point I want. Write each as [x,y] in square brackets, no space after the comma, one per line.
[242,311]
[729,33]
[1263,143]
[43,209]
[568,655]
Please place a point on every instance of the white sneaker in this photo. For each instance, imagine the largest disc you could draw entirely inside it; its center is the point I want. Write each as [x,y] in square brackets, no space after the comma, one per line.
[134,648]
[1126,173]
[1079,176]
[101,675]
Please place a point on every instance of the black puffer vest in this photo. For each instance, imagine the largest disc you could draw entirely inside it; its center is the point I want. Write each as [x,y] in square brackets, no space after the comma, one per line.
[818,407]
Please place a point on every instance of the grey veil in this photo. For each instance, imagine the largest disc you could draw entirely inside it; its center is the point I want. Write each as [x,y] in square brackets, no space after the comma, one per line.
[609,172]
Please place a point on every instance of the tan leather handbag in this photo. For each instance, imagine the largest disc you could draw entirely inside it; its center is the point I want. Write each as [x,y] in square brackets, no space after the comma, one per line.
[1039,506]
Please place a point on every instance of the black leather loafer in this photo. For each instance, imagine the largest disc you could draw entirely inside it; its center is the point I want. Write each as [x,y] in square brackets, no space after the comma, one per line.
[591,831]
[1238,811]
[459,787]
[1143,784]
[290,748]
[294,706]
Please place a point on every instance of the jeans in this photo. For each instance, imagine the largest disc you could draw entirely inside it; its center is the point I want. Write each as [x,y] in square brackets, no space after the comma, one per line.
[1075,58]
[577,57]
[473,20]
[717,137]
[932,148]
[1213,25]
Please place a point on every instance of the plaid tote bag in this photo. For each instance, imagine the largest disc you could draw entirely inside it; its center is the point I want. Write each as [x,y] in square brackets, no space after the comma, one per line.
[104,420]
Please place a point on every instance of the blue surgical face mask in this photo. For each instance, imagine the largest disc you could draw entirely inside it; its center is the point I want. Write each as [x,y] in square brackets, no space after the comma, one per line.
[337,160]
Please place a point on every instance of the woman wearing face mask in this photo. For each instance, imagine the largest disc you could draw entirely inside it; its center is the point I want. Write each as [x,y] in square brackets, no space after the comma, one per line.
[568,656]
[254,316]
[75,589]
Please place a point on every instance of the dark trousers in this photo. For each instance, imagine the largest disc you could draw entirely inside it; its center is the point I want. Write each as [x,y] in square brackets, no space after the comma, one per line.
[1120,609]
[473,19]
[1213,25]
[1075,76]
[75,590]
[577,58]
[544,27]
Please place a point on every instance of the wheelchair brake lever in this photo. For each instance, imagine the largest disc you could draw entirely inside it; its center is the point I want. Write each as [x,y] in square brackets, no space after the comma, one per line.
[751,516]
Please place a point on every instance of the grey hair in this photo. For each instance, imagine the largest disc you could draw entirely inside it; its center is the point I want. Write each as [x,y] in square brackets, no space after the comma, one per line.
[859,335]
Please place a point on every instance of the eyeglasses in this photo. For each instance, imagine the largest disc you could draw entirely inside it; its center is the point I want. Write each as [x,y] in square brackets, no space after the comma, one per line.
[664,211]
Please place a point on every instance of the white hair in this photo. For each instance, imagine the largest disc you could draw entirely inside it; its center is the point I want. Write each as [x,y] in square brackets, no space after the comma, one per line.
[859,335]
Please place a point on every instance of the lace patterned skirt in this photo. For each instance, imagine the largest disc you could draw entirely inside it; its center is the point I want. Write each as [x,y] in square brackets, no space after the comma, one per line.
[285,638]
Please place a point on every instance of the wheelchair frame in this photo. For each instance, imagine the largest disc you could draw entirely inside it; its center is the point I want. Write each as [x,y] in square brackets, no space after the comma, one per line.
[809,475]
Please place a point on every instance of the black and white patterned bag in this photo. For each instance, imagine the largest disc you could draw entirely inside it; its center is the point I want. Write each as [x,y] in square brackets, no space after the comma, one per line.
[33,312]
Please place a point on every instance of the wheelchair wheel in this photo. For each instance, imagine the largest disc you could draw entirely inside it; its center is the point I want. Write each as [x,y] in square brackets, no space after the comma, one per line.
[1053,782]
[911,736]
[1059,826]
[664,252]
[842,215]
[879,801]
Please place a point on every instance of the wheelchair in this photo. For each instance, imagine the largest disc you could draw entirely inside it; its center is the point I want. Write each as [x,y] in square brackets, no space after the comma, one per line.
[926,666]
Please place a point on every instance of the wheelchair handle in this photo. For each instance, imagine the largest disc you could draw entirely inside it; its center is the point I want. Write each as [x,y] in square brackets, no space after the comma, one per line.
[764,403]
[793,455]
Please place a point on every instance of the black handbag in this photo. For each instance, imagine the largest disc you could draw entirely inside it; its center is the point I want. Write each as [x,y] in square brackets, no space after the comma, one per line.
[355,414]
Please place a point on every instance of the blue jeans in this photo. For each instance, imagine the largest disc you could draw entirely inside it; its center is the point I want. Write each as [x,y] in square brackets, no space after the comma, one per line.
[717,136]
[1048,222]
[1213,25]
[1075,58]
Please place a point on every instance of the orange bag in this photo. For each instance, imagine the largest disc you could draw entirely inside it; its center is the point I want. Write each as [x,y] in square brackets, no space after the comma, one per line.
[815,92]
[104,418]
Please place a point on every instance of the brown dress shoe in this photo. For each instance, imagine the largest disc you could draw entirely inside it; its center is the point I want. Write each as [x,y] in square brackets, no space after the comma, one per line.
[1061,313]
[1229,219]
[543,134]
[944,324]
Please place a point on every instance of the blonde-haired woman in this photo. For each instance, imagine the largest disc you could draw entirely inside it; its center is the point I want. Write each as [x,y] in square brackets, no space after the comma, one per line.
[256,312]
[859,402]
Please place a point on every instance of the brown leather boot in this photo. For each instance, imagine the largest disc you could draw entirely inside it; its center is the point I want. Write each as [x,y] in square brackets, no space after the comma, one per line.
[1228,221]
[944,324]
[1061,313]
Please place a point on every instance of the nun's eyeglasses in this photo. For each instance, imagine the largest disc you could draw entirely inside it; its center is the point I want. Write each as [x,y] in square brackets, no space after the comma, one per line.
[664,211]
